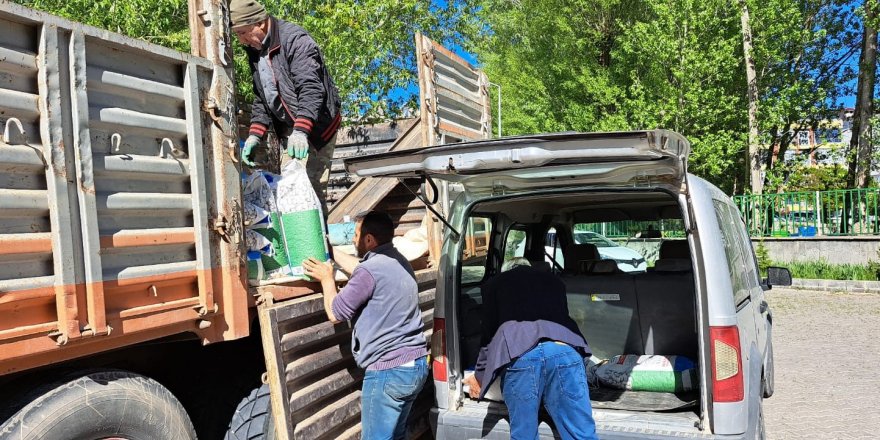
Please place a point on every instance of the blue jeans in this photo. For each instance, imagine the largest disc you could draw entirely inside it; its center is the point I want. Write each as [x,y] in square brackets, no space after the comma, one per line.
[553,373]
[386,398]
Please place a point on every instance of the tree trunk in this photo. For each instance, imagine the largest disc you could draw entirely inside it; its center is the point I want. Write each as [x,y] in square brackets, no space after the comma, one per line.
[753,155]
[860,164]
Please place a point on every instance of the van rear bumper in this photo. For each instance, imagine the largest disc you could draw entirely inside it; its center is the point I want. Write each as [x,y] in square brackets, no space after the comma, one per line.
[490,422]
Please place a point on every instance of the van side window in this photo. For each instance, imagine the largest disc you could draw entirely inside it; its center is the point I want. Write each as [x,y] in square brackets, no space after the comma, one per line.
[740,265]
[750,270]
[475,250]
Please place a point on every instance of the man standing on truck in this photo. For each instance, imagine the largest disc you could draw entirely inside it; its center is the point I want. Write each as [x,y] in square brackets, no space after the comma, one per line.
[536,349]
[387,338]
[293,91]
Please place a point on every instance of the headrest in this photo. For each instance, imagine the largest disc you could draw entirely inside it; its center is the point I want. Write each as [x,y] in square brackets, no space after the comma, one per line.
[673,265]
[542,266]
[675,249]
[605,266]
[576,253]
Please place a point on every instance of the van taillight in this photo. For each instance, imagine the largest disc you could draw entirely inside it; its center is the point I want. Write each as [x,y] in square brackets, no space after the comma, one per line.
[438,350]
[727,374]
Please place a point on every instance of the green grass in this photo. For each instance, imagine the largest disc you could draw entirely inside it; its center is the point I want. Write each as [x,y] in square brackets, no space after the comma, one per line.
[820,270]
[823,270]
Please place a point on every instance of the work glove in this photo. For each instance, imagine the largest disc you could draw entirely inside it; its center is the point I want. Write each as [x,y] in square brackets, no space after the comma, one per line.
[251,142]
[298,145]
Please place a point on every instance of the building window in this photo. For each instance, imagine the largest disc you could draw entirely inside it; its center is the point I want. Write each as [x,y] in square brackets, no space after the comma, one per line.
[804,139]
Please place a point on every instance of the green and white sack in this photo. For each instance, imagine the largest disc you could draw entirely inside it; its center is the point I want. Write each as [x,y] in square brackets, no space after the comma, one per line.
[275,263]
[301,218]
[668,374]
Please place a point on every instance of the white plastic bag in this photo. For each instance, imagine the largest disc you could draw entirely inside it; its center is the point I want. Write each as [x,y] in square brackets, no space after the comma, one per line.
[295,192]
[256,217]
[259,190]
[257,242]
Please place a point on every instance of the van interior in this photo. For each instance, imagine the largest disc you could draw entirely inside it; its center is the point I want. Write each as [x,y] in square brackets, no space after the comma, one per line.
[648,309]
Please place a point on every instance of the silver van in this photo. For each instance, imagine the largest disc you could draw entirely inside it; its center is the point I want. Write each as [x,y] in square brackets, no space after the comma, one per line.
[701,297]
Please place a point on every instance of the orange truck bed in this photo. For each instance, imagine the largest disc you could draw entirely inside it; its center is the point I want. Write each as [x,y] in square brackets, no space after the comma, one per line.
[118,202]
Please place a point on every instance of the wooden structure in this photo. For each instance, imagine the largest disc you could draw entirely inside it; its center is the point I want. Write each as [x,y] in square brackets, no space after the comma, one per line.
[312,371]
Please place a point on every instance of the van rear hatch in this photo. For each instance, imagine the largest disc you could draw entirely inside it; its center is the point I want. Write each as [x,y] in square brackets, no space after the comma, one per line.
[637,158]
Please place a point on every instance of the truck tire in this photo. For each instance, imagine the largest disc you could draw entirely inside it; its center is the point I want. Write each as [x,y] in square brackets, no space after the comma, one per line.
[97,405]
[253,417]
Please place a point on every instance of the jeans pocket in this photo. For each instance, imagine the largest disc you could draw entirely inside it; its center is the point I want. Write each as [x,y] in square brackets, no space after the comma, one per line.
[404,384]
[520,383]
[572,380]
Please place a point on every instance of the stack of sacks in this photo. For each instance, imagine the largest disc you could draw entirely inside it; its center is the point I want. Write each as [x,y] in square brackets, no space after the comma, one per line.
[264,253]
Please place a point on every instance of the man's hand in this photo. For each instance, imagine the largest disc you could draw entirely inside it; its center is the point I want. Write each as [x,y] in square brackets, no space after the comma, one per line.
[323,272]
[318,270]
[473,386]
[249,144]
[298,145]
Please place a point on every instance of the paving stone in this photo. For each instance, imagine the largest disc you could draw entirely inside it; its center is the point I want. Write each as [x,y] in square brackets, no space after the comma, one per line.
[827,359]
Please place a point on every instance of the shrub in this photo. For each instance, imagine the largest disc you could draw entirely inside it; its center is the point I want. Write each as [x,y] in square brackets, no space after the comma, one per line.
[763,256]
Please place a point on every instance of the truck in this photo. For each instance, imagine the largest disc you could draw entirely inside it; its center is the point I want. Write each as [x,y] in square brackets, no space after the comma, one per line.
[124,306]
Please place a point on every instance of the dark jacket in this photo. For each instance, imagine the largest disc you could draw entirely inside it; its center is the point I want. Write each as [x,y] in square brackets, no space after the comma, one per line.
[306,98]
[522,307]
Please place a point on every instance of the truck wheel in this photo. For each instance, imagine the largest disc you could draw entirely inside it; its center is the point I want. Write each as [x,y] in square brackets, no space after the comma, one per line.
[253,417]
[99,405]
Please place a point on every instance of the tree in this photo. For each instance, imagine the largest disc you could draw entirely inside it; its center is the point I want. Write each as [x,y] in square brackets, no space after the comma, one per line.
[753,156]
[162,22]
[862,142]
[802,53]
[622,65]
[368,44]
[551,58]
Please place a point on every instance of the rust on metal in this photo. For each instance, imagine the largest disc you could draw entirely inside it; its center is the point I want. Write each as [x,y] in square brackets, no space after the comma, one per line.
[25,243]
[135,238]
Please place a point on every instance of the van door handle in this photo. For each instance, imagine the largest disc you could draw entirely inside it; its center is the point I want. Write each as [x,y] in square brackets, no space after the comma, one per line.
[763,307]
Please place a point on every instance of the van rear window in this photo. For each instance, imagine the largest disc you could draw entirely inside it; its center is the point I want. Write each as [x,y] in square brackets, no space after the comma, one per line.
[475,249]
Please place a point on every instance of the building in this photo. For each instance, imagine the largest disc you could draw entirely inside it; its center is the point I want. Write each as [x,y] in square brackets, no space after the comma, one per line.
[826,145]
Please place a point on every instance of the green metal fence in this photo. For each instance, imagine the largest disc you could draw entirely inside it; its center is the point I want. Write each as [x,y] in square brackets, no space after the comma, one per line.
[622,229]
[848,212]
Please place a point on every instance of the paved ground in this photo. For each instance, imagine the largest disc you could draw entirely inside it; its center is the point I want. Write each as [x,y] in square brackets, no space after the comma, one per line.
[827,352]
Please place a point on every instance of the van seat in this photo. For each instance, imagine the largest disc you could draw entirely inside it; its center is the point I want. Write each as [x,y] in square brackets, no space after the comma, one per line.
[641,313]
[675,249]
[667,311]
[543,266]
[673,265]
[605,308]
[604,266]
[577,253]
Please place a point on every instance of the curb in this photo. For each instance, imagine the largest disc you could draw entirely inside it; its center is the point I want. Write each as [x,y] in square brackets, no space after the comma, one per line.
[848,286]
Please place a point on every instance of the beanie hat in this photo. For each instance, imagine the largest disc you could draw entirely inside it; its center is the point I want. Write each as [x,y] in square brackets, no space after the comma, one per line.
[246,12]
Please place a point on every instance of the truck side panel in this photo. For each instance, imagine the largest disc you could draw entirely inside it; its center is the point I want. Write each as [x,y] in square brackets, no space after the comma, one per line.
[106,193]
